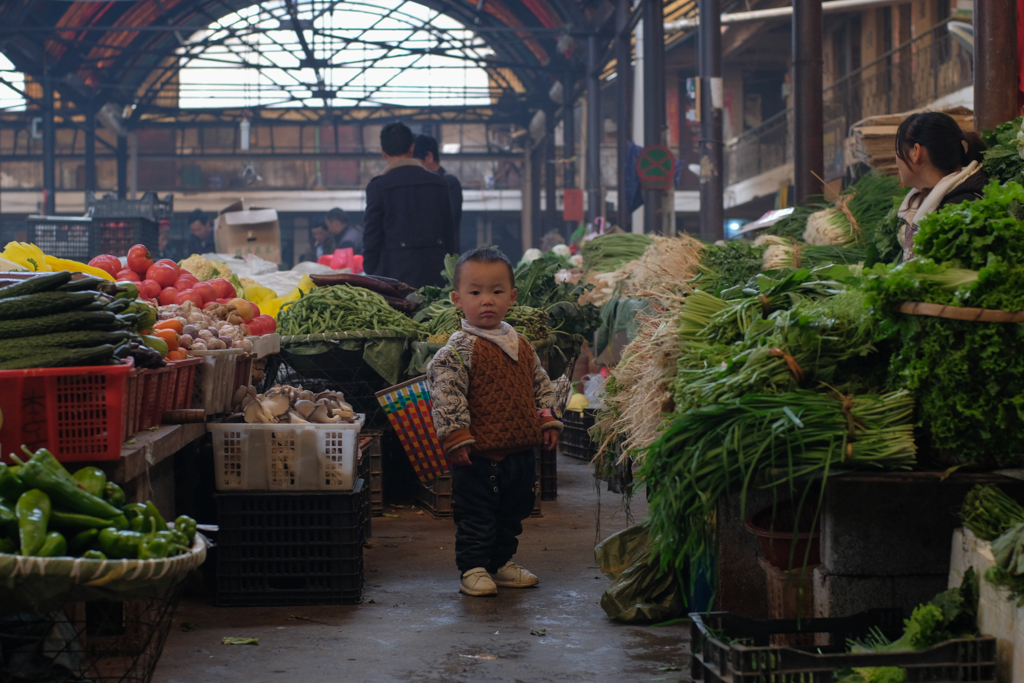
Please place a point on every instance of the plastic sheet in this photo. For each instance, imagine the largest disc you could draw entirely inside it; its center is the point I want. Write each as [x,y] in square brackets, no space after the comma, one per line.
[640,591]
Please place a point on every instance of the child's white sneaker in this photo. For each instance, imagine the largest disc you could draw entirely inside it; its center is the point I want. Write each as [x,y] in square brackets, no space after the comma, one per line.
[477,583]
[514,576]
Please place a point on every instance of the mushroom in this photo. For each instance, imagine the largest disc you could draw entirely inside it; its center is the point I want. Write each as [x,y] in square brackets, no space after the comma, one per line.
[306,395]
[276,405]
[295,418]
[346,406]
[254,413]
[240,393]
[246,401]
[304,408]
[346,415]
[322,415]
[252,391]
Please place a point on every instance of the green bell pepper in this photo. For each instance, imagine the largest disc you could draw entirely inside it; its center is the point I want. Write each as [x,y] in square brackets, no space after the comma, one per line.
[120,545]
[33,513]
[147,316]
[139,524]
[83,540]
[133,510]
[187,526]
[65,492]
[154,514]
[8,547]
[91,480]
[10,485]
[94,555]
[70,520]
[127,290]
[6,514]
[47,460]
[180,541]
[114,494]
[157,546]
[54,545]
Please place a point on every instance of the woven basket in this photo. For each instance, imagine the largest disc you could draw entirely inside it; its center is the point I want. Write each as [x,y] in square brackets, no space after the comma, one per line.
[974,315]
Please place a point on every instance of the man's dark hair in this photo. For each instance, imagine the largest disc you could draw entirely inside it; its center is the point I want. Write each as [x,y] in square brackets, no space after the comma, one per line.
[317,224]
[198,215]
[484,255]
[336,215]
[423,145]
[396,139]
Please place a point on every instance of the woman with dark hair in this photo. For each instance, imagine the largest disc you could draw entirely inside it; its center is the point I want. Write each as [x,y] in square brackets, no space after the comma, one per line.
[941,163]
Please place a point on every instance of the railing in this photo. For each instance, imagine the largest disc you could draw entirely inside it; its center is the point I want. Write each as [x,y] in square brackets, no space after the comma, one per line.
[912,75]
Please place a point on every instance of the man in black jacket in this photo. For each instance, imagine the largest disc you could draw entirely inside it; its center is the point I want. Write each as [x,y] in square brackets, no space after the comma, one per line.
[426,150]
[408,227]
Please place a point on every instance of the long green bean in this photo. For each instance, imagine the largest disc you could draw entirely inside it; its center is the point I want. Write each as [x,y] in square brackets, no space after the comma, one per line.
[341,308]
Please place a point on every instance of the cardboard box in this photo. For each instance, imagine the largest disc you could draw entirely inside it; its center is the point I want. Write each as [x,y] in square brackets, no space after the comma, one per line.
[243,231]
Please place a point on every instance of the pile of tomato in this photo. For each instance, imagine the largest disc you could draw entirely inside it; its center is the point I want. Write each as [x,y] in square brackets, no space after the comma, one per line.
[163,280]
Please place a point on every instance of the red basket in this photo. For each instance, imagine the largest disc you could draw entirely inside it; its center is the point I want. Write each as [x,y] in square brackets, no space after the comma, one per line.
[130,409]
[154,384]
[77,413]
[184,379]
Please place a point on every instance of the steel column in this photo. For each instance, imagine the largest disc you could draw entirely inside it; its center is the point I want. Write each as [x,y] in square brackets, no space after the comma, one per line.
[552,222]
[654,102]
[808,108]
[595,132]
[90,148]
[623,106]
[712,181]
[536,164]
[49,149]
[995,63]
[568,142]
[122,167]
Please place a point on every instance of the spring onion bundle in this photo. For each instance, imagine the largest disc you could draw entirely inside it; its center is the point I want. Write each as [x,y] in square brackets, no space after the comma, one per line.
[764,441]
[343,308]
[727,265]
[988,512]
[608,253]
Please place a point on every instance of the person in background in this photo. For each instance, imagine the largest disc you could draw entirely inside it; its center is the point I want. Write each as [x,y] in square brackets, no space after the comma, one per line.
[166,248]
[548,242]
[346,235]
[322,243]
[943,165]
[407,229]
[201,239]
[426,150]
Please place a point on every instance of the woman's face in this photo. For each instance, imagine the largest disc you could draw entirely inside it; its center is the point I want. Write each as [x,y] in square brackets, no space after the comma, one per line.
[910,169]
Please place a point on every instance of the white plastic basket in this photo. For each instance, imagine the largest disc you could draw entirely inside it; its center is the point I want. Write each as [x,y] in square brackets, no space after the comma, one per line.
[285,457]
[265,344]
[216,381]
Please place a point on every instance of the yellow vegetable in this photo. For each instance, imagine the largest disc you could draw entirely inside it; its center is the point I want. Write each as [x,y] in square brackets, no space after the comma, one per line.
[577,403]
[273,306]
[76,267]
[28,255]
[258,294]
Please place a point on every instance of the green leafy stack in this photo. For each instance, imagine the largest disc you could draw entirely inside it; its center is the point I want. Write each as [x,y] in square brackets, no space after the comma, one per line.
[608,253]
[1002,159]
[968,377]
[45,511]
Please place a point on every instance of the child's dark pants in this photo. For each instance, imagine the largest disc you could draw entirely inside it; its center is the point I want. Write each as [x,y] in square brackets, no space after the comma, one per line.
[490,500]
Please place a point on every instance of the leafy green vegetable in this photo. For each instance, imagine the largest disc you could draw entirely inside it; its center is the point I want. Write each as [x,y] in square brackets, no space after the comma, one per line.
[969,233]
[988,512]
[728,265]
[1003,159]
[607,253]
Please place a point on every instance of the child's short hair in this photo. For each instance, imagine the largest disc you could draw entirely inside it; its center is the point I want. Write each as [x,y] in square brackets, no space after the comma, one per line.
[484,255]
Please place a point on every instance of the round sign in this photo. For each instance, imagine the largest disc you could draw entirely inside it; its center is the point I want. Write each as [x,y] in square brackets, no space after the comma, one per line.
[656,167]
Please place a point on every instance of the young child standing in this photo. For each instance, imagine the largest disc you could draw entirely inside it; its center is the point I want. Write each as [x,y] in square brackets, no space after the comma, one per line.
[491,407]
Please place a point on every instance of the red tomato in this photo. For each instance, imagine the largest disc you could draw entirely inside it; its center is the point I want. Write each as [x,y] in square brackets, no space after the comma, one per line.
[269,324]
[256,327]
[172,264]
[255,310]
[225,290]
[150,289]
[206,290]
[107,263]
[162,273]
[127,275]
[186,282]
[189,295]
[182,271]
[139,259]
[167,296]
[222,300]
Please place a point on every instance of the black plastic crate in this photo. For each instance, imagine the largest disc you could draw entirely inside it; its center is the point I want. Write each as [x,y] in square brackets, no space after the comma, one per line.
[117,235]
[575,440]
[373,453]
[435,496]
[148,206]
[727,647]
[548,474]
[64,236]
[290,548]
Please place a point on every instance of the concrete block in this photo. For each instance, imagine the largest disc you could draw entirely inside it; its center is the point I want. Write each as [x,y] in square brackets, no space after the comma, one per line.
[998,614]
[741,582]
[837,595]
[889,529]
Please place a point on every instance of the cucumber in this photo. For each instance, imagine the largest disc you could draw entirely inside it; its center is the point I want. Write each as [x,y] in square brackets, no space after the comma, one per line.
[61,358]
[89,283]
[44,282]
[65,322]
[64,340]
[43,303]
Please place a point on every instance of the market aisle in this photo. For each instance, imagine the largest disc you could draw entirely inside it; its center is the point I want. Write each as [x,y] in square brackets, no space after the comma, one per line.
[414,626]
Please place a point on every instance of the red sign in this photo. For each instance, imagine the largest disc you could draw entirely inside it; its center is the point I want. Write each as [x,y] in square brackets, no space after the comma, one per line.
[656,167]
[573,206]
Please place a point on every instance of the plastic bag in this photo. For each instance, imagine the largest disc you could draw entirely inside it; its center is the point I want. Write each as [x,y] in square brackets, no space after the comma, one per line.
[593,389]
[640,591]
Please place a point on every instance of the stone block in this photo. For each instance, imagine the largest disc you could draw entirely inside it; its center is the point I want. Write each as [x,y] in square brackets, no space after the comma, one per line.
[838,595]
[741,581]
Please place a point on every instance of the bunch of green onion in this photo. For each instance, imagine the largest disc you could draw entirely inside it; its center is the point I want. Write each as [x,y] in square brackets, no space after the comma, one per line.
[988,512]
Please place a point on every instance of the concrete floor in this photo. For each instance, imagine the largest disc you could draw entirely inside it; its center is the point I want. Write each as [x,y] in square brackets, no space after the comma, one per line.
[414,626]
